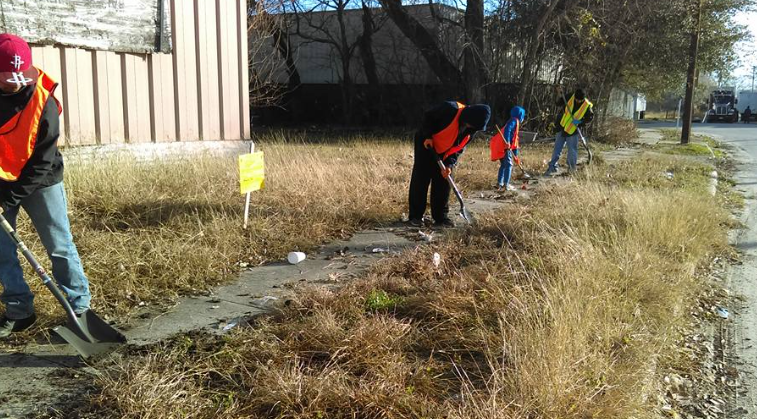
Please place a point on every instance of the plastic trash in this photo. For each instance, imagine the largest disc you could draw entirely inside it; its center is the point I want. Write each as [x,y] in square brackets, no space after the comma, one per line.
[722,312]
[230,325]
[265,300]
[426,237]
[669,175]
[295,257]
[437,259]
[380,250]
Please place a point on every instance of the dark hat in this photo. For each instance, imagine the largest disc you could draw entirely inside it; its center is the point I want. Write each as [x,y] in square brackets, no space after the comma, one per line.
[580,95]
[16,62]
[476,115]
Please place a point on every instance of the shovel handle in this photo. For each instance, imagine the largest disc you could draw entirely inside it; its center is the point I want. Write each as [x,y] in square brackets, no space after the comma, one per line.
[46,279]
[585,144]
[451,182]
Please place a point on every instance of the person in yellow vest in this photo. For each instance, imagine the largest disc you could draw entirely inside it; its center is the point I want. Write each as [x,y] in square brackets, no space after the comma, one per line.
[446,129]
[31,177]
[577,112]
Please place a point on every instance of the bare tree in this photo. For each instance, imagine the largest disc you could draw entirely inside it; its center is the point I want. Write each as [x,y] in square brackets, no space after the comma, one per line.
[473,62]
[326,22]
[263,30]
[445,69]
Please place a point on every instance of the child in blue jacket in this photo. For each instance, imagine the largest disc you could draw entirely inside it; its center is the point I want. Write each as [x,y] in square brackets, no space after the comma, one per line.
[505,147]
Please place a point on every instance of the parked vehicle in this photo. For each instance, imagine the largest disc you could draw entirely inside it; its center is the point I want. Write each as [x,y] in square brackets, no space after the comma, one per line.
[748,98]
[722,105]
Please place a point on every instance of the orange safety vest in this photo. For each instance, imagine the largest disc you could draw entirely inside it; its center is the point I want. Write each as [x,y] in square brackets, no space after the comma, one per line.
[568,115]
[497,142]
[444,140]
[19,135]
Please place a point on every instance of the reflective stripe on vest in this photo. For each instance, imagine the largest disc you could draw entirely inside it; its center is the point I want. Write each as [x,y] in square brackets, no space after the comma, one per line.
[445,139]
[568,116]
[19,135]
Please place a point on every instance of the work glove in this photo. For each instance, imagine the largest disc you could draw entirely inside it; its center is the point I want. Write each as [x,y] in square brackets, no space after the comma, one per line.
[428,143]
[576,122]
[446,172]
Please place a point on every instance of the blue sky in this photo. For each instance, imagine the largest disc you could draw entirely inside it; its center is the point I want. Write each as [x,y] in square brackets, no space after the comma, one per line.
[747,50]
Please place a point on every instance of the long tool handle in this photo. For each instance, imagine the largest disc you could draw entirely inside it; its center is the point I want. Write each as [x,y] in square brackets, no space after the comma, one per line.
[37,267]
[586,144]
[452,183]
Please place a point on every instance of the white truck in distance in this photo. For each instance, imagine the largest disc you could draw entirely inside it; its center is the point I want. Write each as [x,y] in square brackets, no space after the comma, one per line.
[748,98]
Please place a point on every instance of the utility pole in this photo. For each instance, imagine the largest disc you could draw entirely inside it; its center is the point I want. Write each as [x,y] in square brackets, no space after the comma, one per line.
[693,52]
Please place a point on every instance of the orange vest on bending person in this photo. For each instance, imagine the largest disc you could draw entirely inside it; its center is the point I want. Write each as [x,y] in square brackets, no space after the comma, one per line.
[19,135]
[444,140]
[568,115]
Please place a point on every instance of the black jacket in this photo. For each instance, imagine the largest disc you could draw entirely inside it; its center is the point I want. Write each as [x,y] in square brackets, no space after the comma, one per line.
[438,118]
[45,166]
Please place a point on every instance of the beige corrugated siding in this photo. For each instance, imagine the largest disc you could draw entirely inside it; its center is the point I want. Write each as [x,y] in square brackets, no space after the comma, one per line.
[199,92]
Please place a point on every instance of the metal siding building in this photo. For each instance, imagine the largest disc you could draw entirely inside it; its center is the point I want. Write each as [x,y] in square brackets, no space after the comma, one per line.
[197,92]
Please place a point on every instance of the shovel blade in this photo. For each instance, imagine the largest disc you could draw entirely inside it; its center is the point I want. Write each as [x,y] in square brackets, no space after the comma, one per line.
[90,335]
[467,216]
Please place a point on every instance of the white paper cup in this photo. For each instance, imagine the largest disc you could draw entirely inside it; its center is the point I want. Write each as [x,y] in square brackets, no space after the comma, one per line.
[295,257]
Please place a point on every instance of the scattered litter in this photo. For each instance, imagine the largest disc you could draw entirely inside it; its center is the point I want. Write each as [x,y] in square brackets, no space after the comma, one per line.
[142,304]
[295,257]
[379,250]
[243,264]
[427,237]
[215,307]
[263,301]
[230,325]
[669,175]
[722,312]
[437,259]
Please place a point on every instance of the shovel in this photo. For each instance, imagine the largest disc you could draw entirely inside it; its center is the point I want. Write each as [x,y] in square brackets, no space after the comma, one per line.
[468,217]
[87,333]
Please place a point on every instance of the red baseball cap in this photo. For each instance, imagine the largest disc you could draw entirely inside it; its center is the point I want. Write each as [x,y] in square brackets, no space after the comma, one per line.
[16,62]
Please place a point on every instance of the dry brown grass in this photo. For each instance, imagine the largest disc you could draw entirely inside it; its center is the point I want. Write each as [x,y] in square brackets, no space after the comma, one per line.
[150,232]
[557,309]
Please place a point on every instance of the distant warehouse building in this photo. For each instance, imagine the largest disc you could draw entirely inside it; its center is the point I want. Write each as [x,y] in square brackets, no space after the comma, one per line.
[140,71]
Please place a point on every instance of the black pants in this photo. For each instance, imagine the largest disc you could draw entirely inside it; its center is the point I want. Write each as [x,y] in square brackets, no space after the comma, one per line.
[426,170]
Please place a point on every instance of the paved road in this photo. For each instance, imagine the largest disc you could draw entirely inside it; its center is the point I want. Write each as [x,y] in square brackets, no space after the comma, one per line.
[743,334]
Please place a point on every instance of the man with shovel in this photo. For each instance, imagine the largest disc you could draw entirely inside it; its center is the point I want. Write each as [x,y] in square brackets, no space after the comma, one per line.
[31,177]
[446,129]
[577,111]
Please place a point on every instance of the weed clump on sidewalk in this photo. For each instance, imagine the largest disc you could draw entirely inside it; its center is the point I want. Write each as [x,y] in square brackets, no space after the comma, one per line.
[560,308]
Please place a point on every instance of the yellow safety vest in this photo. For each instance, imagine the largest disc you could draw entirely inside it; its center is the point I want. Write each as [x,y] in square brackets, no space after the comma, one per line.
[569,115]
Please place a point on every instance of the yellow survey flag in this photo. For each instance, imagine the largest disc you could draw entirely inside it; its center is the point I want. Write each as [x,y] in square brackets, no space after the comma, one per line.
[251,172]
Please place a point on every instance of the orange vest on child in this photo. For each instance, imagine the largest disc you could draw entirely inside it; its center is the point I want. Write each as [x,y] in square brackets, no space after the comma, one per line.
[498,145]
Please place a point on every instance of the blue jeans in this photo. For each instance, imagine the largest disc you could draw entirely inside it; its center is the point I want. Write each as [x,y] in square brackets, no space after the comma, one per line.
[47,209]
[505,169]
[560,141]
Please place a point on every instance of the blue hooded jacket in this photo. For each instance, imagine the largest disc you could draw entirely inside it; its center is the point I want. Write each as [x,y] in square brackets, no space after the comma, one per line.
[516,113]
